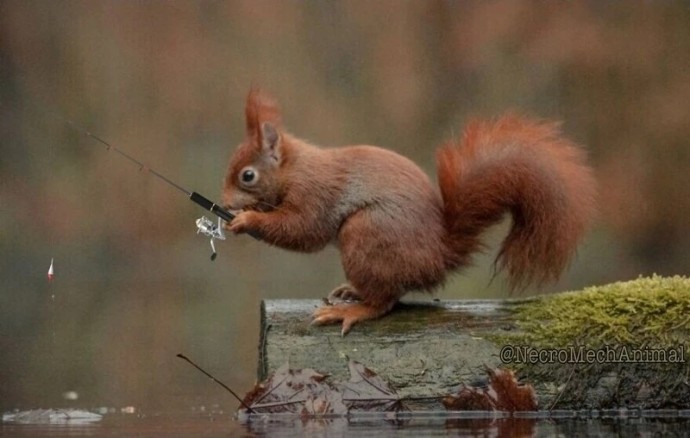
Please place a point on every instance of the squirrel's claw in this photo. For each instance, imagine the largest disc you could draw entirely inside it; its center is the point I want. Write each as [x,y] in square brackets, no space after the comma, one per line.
[349,313]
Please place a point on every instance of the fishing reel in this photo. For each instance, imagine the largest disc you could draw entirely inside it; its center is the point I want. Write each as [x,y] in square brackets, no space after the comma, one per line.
[206,227]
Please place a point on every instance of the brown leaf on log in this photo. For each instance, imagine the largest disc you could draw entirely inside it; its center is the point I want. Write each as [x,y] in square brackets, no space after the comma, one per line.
[300,391]
[368,391]
[305,392]
[503,393]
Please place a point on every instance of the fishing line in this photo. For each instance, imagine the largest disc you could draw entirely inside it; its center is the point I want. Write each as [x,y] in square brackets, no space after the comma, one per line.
[141,165]
[204,225]
[194,196]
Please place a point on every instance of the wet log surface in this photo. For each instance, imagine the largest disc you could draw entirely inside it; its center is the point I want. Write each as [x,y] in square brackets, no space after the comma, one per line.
[421,348]
[431,348]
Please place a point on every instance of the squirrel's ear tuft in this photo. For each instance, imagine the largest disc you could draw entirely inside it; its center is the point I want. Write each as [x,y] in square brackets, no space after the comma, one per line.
[270,139]
[260,108]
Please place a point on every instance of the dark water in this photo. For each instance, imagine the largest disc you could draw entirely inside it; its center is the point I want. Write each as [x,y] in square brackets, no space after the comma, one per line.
[412,425]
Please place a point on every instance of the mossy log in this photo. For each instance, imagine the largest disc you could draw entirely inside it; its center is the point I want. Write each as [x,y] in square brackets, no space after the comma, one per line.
[433,348]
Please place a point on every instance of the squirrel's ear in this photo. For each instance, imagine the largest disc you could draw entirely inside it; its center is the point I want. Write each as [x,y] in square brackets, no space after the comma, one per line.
[270,141]
[260,108]
[251,112]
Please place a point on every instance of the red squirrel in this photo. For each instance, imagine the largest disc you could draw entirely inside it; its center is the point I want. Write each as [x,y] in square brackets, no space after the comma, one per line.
[395,231]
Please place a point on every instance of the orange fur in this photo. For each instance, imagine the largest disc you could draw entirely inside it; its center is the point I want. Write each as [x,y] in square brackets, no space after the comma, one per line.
[528,169]
[394,231]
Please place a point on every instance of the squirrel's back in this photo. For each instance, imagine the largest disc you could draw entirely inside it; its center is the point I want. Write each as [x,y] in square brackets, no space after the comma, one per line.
[379,178]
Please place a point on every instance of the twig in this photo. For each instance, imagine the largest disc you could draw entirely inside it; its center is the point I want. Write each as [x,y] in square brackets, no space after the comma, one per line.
[246,406]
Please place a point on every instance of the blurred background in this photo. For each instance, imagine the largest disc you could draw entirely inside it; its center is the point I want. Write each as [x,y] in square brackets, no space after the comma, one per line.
[166,82]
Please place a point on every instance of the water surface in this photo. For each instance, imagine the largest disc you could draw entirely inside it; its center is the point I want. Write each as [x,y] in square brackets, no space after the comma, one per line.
[219,423]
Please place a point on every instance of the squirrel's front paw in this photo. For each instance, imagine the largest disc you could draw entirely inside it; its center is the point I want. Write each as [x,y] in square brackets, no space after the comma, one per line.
[344,292]
[243,222]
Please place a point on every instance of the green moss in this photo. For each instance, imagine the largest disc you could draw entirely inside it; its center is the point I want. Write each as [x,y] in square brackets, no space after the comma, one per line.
[645,312]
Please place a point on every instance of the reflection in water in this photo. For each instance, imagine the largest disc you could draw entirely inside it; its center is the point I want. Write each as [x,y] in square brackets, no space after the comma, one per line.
[52,416]
[517,427]
[454,424]
[203,421]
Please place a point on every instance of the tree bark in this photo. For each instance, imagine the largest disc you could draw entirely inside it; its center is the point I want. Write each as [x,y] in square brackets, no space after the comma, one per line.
[432,348]
[421,348]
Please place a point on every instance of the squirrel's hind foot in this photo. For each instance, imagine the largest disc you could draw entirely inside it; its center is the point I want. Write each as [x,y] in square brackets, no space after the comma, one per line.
[348,313]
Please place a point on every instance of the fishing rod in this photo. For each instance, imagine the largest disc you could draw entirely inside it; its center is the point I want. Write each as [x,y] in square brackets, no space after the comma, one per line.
[204,225]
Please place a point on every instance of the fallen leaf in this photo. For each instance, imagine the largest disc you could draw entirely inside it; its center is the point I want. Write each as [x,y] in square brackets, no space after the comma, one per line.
[368,391]
[468,398]
[325,403]
[305,392]
[510,395]
[503,393]
[301,391]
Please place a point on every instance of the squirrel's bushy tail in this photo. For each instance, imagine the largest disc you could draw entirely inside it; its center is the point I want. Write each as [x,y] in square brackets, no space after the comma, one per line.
[526,168]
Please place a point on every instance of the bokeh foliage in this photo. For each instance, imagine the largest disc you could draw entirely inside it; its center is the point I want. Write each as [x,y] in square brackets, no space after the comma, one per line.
[166,82]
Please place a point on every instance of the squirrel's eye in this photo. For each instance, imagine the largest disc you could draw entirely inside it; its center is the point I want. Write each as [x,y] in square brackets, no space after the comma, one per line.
[249,176]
